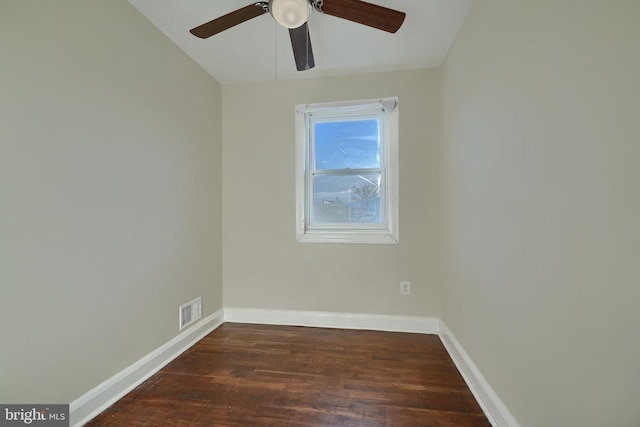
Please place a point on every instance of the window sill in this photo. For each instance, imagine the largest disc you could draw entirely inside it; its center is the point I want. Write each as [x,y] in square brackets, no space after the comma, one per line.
[384,238]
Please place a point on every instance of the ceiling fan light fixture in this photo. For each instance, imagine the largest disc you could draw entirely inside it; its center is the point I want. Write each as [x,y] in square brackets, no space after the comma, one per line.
[290,13]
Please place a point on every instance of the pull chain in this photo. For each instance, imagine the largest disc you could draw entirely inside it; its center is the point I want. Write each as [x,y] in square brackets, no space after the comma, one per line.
[275,43]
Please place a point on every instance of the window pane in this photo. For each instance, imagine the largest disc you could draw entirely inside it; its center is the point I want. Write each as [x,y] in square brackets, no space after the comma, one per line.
[351,144]
[347,198]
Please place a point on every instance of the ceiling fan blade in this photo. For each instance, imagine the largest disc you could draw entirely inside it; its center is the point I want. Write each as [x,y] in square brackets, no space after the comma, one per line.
[230,20]
[301,44]
[364,13]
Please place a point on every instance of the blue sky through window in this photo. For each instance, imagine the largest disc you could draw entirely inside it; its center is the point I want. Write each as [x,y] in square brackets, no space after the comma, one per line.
[353,144]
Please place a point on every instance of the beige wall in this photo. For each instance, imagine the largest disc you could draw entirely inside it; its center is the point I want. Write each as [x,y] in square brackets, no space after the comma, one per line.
[542,206]
[110,192]
[264,266]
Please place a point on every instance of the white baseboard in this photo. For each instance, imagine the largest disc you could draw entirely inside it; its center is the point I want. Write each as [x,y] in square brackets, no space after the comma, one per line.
[493,407]
[321,319]
[104,395]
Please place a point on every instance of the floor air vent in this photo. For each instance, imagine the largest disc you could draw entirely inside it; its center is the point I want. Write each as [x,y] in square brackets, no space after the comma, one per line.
[190,312]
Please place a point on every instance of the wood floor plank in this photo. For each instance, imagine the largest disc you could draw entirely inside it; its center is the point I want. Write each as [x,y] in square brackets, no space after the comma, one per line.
[260,375]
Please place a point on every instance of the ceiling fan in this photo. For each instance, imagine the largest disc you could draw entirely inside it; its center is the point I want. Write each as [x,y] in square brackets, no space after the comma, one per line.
[293,14]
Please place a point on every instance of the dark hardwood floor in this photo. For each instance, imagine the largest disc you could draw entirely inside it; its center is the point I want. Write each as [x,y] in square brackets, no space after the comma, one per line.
[258,375]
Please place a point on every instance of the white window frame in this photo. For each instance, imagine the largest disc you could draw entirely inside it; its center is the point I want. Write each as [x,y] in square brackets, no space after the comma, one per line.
[388,232]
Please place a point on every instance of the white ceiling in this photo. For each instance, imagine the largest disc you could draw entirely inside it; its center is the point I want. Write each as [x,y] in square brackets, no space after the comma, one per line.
[260,50]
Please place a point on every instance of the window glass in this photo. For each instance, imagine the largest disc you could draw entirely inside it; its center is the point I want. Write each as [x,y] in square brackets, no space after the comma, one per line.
[347,198]
[347,144]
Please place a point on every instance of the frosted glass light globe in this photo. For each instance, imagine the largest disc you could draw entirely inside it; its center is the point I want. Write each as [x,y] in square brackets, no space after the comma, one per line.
[290,13]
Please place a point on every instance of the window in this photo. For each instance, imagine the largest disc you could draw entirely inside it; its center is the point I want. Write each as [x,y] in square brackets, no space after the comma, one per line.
[347,172]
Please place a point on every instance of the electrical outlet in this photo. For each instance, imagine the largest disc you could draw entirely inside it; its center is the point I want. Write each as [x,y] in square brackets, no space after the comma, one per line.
[405,288]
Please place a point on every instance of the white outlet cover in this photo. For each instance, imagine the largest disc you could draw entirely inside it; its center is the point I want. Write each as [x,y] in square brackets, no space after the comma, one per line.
[405,288]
